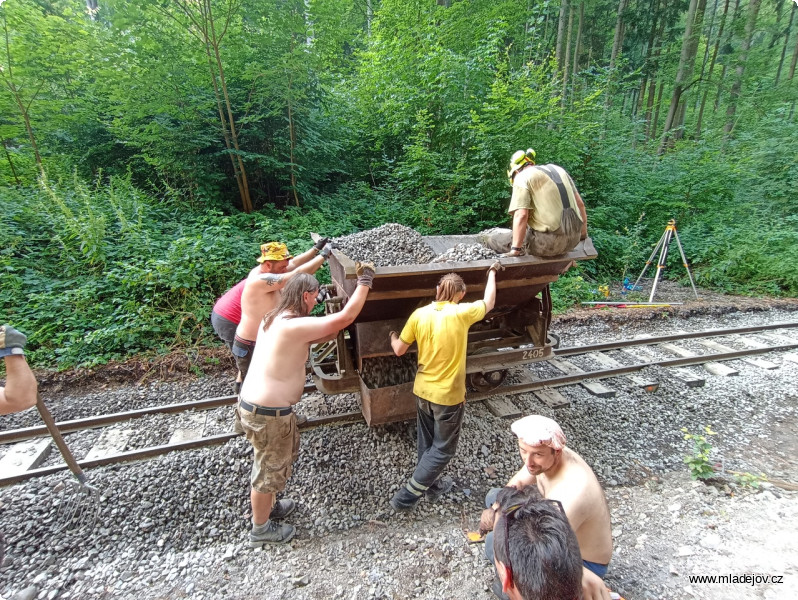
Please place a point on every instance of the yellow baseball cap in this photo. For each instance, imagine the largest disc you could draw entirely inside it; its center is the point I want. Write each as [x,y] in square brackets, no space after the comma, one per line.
[274,251]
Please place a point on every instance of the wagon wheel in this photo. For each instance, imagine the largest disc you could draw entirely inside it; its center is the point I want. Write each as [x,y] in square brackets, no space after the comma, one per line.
[485,382]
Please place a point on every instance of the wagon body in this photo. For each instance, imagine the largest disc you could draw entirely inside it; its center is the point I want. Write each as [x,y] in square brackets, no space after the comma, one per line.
[514,332]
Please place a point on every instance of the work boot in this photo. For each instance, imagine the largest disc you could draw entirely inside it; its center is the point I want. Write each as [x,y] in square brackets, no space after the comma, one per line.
[441,486]
[496,588]
[281,509]
[404,500]
[270,533]
[11,341]
[514,253]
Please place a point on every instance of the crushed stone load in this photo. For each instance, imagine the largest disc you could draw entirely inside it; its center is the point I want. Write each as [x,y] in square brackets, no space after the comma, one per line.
[465,253]
[385,371]
[392,244]
[386,246]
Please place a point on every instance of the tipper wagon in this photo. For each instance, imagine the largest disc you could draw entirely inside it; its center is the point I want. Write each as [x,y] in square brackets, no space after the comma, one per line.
[515,332]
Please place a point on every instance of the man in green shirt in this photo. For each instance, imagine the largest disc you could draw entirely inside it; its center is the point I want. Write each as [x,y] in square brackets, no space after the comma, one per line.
[549,215]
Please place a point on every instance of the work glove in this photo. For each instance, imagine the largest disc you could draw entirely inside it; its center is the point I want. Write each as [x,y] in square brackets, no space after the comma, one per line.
[496,266]
[320,243]
[11,341]
[325,252]
[365,273]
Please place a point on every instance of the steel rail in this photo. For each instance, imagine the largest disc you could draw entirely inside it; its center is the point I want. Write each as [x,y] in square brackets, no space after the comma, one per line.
[625,370]
[17,435]
[144,453]
[502,359]
[152,451]
[25,433]
[572,350]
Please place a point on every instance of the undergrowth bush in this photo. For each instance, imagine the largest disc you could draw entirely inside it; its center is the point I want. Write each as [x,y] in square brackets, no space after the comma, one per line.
[95,273]
[98,272]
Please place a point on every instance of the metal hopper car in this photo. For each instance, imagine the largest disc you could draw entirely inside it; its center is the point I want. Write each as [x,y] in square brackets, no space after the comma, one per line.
[515,332]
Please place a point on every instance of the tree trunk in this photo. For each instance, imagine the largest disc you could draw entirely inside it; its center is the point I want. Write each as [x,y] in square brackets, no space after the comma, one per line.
[652,36]
[567,61]
[578,47]
[617,44]
[794,60]
[705,60]
[659,106]
[711,69]
[617,41]
[241,174]
[560,33]
[698,24]
[7,76]
[786,43]
[292,143]
[11,163]
[200,16]
[734,94]
[682,75]
[735,16]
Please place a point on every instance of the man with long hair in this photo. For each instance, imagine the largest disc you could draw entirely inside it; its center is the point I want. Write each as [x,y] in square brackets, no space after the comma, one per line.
[275,383]
[441,331]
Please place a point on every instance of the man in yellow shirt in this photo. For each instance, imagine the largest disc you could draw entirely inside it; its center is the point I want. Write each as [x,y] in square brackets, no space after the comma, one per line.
[441,332]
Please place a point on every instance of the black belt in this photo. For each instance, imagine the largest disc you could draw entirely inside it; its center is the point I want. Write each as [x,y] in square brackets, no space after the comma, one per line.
[264,410]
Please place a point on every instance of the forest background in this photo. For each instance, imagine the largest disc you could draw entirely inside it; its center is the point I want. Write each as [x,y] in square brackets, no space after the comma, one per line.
[150,146]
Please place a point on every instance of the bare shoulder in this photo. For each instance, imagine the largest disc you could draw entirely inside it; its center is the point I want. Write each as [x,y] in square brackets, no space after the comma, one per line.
[575,478]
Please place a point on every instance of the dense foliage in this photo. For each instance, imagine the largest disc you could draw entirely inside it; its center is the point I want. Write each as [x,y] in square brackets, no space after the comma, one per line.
[149,147]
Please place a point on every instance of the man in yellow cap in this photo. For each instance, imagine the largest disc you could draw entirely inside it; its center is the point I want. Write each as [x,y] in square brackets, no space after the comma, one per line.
[549,215]
[262,290]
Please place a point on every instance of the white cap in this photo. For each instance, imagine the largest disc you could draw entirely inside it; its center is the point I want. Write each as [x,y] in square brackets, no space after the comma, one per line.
[537,430]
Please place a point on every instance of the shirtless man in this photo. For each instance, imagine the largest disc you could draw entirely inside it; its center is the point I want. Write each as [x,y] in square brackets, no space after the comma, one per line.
[561,474]
[261,292]
[19,392]
[277,383]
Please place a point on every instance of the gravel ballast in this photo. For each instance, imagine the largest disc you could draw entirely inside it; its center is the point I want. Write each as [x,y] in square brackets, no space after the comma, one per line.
[176,526]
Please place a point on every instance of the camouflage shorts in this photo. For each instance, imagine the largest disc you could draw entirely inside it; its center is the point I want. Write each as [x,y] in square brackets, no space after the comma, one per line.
[276,444]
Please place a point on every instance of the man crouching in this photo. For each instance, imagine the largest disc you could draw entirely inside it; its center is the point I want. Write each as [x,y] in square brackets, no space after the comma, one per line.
[275,382]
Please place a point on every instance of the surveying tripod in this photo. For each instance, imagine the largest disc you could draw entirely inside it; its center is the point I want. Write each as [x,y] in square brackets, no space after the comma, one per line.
[662,247]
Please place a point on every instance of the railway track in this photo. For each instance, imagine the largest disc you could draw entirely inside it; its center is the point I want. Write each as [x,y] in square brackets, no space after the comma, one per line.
[633,357]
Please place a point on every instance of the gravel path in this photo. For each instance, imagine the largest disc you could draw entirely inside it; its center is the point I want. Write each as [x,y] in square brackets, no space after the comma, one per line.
[176,526]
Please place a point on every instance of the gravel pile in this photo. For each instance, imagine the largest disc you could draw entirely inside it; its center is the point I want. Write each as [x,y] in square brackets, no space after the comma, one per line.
[465,253]
[384,371]
[176,526]
[388,245]
[393,244]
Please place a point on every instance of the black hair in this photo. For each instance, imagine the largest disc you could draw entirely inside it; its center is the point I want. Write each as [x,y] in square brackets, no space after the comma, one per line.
[544,552]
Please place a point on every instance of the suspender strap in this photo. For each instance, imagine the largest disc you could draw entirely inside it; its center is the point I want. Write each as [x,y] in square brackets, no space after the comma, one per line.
[555,177]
